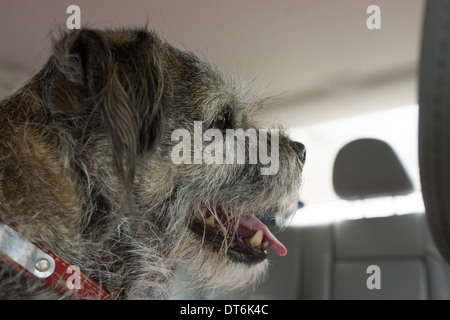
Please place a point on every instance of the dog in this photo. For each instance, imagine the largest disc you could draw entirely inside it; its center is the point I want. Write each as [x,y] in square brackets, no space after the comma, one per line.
[87,171]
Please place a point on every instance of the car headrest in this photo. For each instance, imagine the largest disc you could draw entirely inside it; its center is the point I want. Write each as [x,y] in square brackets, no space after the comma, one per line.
[368,168]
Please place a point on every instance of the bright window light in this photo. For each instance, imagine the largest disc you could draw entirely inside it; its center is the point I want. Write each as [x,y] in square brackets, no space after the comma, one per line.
[398,127]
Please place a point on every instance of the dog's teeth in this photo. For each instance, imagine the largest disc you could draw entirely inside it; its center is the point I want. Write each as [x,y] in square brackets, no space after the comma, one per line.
[210,221]
[223,229]
[257,238]
[199,215]
[264,245]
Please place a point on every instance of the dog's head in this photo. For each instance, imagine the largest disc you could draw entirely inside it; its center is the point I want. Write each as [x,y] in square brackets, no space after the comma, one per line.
[169,154]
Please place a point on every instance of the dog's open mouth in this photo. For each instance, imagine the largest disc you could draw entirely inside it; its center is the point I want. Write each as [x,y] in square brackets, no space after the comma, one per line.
[245,240]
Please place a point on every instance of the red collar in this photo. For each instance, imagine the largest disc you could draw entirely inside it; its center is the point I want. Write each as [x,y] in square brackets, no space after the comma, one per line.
[55,273]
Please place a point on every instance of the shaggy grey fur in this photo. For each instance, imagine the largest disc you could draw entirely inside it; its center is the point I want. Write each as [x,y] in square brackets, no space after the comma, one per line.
[86,173]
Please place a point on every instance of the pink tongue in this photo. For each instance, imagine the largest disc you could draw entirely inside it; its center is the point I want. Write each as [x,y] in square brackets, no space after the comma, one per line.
[254,224]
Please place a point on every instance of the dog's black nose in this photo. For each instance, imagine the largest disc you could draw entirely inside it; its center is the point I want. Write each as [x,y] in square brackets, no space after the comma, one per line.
[301,151]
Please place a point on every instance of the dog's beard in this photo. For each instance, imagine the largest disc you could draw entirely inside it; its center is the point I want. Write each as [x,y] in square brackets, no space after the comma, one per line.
[221,251]
[211,268]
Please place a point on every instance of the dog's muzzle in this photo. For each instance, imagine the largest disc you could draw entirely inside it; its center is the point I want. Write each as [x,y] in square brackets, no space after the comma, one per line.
[245,239]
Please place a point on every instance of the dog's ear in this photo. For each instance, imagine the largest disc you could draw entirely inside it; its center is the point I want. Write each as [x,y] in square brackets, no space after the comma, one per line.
[116,86]
[83,59]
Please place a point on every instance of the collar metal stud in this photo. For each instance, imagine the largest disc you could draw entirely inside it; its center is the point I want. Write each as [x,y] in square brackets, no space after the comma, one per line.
[42,265]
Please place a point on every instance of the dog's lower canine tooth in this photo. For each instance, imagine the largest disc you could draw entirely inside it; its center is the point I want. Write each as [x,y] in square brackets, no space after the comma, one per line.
[257,238]
[210,221]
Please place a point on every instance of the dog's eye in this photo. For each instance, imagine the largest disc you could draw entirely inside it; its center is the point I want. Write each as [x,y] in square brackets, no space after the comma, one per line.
[222,121]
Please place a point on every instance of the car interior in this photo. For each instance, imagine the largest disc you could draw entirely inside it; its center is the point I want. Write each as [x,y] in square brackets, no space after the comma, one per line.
[372,108]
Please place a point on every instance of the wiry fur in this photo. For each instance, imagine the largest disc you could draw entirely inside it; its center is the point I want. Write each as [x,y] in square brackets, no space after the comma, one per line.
[85,168]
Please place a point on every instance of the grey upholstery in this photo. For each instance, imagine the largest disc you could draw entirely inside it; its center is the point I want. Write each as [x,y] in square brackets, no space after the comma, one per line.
[335,259]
